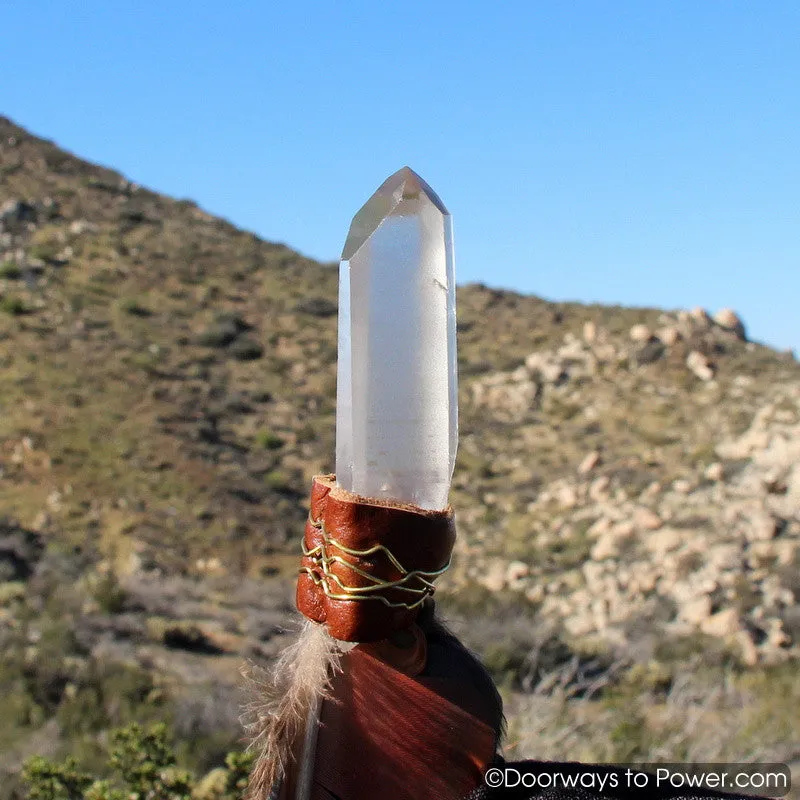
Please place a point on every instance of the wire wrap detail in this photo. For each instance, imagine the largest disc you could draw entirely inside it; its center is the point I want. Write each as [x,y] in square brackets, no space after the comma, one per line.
[321,574]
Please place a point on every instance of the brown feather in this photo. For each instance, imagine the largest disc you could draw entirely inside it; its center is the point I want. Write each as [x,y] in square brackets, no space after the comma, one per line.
[280,701]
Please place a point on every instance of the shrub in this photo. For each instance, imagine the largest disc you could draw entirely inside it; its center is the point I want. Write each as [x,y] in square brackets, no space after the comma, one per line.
[133,307]
[267,440]
[142,765]
[218,334]
[12,305]
[9,269]
[246,348]
[277,480]
[317,307]
[48,781]
[108,593]
[46,251]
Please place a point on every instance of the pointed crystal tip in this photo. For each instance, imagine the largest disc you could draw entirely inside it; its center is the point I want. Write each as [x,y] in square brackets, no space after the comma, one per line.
[397,380]
[404,184]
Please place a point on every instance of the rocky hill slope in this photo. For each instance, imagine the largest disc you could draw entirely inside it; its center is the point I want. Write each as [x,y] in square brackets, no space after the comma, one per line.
[627,487]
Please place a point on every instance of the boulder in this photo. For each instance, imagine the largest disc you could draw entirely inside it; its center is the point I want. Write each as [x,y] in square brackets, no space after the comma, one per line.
[516,572]
[640,333]
[700,365]
[697,611]
[669,335]
[699,318]
[729,320]
[714,472]
[723,623]
[590,461]
[645,519]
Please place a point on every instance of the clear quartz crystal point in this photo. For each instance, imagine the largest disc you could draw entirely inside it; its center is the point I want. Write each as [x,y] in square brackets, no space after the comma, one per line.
[397,390]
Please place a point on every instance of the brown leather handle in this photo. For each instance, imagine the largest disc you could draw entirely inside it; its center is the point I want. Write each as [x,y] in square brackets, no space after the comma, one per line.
[369,564]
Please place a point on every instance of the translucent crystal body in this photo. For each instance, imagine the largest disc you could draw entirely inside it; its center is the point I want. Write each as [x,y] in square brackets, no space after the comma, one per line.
[397,395]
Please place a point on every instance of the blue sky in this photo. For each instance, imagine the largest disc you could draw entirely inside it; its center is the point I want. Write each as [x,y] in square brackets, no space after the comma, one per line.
[636,153]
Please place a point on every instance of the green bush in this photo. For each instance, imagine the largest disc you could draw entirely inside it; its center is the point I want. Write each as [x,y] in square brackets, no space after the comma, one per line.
[246,348]
[132,306]
[9,269]
[46,251]
[13,305]
[106,590]
[141,766]
[277,479]
[268,440]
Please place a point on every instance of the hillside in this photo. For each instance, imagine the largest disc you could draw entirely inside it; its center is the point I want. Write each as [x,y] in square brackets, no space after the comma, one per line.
[627,488]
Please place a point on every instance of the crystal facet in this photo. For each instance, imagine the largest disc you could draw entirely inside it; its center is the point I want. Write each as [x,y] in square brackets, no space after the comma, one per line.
[397,392]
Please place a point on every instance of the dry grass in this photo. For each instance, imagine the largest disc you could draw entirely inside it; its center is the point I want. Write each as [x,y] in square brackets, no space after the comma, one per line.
[703,717]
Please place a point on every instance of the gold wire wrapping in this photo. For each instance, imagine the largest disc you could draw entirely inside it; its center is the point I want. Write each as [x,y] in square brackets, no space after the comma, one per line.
[321,573]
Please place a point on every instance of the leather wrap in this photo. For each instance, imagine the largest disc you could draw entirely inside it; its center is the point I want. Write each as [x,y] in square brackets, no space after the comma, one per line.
[419,540]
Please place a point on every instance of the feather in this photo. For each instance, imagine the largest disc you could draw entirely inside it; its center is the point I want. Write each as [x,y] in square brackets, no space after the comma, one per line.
[281,699]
